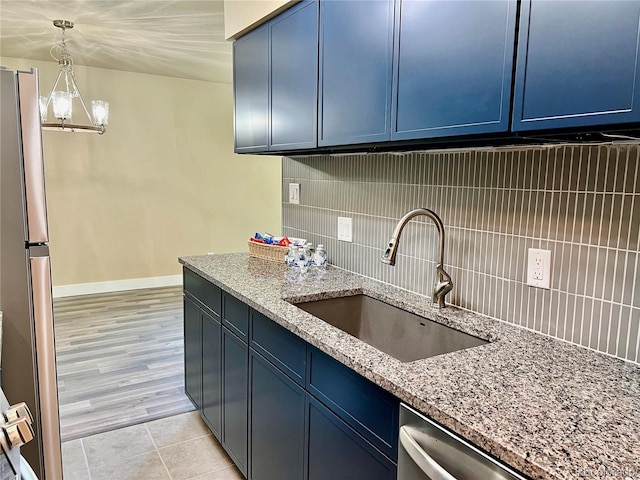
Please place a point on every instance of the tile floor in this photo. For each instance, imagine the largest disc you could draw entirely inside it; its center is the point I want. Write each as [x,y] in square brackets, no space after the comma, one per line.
[172,448]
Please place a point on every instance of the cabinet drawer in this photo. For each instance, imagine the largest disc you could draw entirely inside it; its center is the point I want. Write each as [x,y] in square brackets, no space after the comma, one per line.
[235,316]
[370,410]
[203,290]
[281,347]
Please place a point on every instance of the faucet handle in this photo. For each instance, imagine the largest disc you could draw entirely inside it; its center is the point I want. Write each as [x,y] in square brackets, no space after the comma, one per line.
[443,275]
[443,286]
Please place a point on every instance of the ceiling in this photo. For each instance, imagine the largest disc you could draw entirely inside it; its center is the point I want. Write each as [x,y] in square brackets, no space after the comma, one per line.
[179,38]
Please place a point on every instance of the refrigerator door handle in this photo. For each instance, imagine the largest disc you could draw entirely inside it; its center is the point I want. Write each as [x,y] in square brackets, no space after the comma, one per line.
[46,364]
[32,155]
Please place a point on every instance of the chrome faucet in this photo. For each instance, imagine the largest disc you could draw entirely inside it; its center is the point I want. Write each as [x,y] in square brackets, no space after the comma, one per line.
[443,284]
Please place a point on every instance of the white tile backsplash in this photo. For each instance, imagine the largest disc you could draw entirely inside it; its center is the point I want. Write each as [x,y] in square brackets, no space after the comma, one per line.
[580,201]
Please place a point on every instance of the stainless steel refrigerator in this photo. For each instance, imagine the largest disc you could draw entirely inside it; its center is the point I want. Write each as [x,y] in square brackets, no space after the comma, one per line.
[28,368]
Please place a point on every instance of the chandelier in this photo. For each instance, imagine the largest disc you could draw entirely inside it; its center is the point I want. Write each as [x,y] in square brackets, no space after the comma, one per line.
[61,99]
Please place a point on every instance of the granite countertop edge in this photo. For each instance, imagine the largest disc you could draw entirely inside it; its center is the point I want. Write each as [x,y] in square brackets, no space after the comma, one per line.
[549,409]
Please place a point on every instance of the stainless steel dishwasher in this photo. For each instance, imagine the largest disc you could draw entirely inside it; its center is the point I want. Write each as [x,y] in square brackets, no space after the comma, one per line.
[428,451]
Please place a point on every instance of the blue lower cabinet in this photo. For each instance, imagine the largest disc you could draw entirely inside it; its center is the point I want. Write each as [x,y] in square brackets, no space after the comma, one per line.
[235,379]
[212,373]
[281,408]
[337,452]
[202,290]
[235,316]
[192,352]
[277,423]
[278,345]
[367,408]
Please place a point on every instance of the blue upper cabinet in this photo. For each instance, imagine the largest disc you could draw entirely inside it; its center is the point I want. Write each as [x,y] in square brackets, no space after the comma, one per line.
[251,91]
[577,64]
[294,78]
[356,54]
[453,67]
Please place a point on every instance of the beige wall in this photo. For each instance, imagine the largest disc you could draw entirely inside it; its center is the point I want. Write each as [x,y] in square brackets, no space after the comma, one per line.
[162,182]
[240,16]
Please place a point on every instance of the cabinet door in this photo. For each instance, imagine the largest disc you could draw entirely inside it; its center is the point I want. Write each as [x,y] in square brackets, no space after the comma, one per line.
[251,91]
[356,55]
[453,67]
[277,423]
[212,373]
[235,376]
[577,64]
[294,78]
[337,452]
[192,352]
[367,408]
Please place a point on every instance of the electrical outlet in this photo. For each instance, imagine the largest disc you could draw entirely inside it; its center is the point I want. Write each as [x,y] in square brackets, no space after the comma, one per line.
[539,268]
[345,229]
[294,193]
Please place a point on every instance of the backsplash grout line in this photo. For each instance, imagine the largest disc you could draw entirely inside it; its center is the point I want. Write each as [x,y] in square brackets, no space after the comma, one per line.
[633,295]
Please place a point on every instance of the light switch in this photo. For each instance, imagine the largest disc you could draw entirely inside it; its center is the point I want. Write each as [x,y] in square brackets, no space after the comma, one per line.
[294,193]
[345,229]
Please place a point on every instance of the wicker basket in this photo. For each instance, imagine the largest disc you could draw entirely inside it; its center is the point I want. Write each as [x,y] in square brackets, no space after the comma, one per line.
[275,253]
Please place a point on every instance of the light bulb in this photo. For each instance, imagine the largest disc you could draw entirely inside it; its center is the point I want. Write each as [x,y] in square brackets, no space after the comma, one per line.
[62,105]
[100,110]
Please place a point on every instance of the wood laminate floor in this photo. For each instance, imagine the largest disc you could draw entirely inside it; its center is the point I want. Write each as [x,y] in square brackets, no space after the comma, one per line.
[120,359]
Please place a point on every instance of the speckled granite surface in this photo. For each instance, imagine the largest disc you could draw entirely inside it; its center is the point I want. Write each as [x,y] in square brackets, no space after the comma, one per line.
[549,409]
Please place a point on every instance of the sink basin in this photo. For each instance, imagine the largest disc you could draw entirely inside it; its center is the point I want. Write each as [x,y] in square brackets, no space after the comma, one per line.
[401,334]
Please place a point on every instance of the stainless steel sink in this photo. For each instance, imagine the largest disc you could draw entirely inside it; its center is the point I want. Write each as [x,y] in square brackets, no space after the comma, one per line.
[398,333]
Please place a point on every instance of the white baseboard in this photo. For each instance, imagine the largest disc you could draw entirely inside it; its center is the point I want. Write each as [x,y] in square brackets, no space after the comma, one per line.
[115,286]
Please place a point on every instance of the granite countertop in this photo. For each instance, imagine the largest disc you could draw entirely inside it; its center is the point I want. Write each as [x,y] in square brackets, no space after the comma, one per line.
[550,409]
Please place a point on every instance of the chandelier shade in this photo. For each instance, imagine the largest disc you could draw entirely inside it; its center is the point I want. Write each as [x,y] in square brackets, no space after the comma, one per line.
[62,104]
[61,99]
